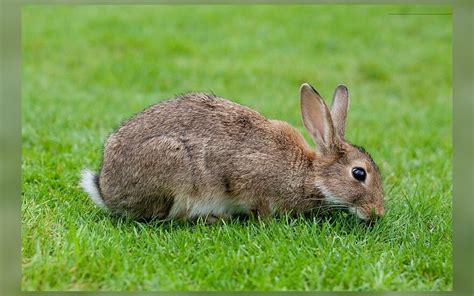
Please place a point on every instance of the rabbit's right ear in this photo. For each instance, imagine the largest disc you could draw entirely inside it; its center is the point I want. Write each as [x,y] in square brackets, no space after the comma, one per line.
[317,119]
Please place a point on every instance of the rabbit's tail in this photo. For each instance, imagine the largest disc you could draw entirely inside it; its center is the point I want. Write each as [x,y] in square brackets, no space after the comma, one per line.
[90,184]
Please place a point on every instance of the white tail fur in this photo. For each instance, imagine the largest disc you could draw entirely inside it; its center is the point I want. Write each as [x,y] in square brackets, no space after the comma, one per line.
[89,185]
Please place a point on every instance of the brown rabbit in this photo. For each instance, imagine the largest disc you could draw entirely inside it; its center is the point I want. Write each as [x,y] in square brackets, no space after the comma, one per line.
[199,155]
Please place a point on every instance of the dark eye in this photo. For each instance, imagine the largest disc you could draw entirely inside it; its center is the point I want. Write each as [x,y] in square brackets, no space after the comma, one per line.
[359,174]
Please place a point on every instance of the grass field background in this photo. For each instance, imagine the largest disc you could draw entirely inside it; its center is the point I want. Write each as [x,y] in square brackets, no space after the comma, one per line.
[85,69]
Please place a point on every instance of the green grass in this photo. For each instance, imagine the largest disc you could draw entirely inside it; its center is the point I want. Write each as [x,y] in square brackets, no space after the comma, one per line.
[86,69]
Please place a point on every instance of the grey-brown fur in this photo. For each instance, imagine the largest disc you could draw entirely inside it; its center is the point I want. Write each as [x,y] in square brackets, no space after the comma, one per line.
[183,157]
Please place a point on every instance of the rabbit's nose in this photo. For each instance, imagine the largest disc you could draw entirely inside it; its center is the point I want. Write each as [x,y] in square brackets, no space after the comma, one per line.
[376,213]
[380,212]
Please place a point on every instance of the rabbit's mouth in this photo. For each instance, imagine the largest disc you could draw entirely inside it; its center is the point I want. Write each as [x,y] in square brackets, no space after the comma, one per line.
[358,213]
[370,214]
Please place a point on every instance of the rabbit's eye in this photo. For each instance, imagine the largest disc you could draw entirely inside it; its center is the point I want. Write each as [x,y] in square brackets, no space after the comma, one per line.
[359,174]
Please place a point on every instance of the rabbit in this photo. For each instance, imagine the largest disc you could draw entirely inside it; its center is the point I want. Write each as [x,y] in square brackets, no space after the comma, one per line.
[199,155]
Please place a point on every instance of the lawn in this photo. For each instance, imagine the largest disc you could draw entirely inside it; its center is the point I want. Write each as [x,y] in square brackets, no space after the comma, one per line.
[85,69]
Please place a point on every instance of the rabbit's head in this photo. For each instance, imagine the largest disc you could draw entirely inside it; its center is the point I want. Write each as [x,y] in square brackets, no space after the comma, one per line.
[346,175]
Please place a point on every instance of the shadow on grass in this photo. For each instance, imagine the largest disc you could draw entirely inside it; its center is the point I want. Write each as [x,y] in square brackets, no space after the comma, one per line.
[339,221]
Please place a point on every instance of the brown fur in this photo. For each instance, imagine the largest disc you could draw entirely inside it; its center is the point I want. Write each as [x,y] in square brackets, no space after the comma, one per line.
[178,157]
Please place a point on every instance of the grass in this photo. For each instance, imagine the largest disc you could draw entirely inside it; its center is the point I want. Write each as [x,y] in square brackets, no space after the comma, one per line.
[86,69]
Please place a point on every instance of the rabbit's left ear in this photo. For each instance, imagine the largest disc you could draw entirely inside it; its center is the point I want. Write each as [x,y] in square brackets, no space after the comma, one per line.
[317,119]
[340,104]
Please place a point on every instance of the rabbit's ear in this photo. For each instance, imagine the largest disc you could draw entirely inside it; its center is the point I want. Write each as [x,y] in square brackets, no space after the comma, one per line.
[340,103]
[317,119]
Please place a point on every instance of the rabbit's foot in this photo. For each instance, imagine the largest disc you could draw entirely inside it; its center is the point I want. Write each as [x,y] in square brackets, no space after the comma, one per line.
[212,219]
